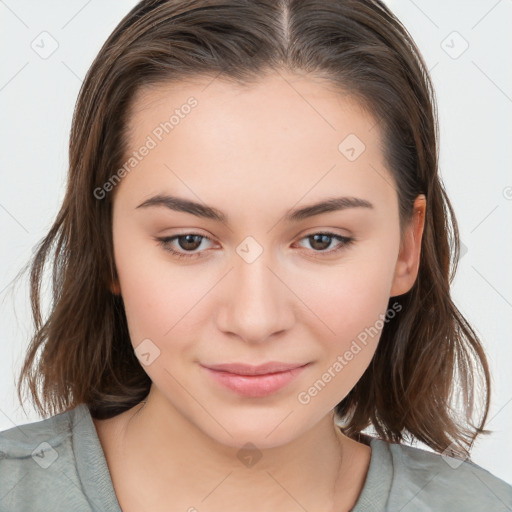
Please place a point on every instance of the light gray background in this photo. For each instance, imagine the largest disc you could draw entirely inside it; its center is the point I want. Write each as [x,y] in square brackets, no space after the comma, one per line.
[474,90]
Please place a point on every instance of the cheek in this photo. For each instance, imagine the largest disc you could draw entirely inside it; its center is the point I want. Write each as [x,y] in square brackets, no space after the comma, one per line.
[350,297]
[160,304]
[350,302]
[157,294]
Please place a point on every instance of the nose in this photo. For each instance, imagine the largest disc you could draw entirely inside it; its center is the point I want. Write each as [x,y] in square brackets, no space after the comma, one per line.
[257,300]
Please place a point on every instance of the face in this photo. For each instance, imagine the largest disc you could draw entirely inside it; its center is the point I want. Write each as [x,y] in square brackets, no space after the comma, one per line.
[242,277]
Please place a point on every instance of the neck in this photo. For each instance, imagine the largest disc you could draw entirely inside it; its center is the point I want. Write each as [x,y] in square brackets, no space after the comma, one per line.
[315,471]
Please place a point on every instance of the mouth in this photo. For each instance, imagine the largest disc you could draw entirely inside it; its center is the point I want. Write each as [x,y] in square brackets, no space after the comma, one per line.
[255,381]
[261,369]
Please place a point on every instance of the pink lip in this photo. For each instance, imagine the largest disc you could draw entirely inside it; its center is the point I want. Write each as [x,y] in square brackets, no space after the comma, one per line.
[254,381]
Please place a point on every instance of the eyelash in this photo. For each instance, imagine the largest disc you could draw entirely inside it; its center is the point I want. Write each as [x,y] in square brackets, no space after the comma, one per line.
[165,241]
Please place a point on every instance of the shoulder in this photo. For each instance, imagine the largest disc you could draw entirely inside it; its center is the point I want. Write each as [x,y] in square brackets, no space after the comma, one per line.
[423,480]
[38,465]
[20,441]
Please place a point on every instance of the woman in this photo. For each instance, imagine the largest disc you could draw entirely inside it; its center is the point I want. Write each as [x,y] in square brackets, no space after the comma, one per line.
[252,266]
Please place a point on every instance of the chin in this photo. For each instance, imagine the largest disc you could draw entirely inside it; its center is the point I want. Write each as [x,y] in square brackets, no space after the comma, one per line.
[262,429]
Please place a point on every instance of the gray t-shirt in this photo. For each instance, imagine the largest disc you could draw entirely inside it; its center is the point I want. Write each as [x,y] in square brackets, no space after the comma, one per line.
[58,464]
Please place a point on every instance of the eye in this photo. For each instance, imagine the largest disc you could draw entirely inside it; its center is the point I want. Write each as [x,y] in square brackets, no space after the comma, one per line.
[189,242]
[320,241]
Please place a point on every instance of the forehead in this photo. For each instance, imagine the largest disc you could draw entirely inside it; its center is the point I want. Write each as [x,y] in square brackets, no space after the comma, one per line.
[278,99]
[293,132]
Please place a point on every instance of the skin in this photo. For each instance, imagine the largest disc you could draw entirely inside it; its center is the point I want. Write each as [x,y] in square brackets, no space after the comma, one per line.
[254,153]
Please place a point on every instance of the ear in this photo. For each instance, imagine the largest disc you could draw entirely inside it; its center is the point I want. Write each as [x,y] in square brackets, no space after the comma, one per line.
[408,262]
[114,286]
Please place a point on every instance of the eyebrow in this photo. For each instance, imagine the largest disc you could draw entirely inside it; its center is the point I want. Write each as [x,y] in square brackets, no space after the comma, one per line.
[179,204]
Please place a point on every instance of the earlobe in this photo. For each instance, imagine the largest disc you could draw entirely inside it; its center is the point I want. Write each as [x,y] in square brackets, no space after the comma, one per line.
[115,288]
[113,285]
[408,262]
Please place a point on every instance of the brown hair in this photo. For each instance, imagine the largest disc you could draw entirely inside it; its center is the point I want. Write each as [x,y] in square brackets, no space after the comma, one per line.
[425,354]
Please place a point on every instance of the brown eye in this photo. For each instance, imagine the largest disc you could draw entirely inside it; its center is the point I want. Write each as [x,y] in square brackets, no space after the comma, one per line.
[189,242]
[322,241]
[185,246]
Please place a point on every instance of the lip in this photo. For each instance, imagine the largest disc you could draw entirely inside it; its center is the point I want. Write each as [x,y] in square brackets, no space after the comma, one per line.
[248,369]
[255,381]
